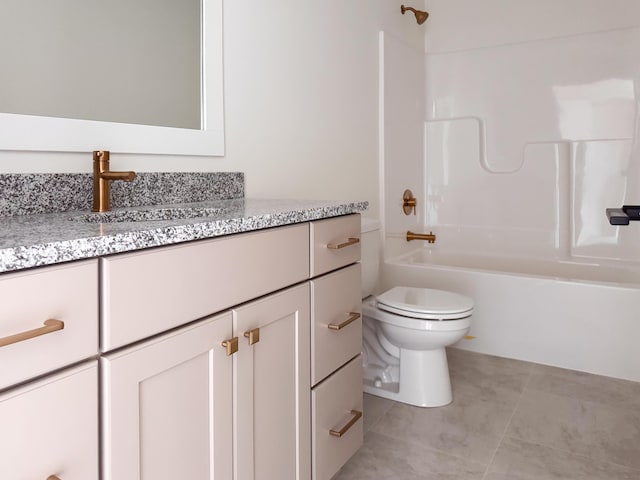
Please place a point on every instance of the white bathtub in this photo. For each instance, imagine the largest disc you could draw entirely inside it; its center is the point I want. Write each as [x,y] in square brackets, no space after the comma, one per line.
[582,316]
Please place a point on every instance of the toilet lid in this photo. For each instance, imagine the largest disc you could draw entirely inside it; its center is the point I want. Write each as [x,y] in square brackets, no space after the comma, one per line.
[425,303]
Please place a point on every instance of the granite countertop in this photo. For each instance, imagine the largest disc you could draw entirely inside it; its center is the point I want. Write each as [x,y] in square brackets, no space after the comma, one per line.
[28,241]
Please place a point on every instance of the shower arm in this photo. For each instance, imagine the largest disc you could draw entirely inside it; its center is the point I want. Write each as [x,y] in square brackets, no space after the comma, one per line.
[411,9]
[421,16]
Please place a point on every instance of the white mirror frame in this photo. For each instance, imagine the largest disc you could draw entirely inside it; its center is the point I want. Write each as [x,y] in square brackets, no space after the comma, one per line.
[34,133]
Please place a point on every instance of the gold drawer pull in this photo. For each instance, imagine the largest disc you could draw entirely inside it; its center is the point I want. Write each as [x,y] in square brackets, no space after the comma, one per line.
[49,326]
[53,477]
[353,316]
[253,336]
[231,345]
[338,246]
[356,416]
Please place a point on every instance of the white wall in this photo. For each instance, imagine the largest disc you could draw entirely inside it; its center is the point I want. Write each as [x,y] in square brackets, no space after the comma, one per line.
[301,101]
[470,24]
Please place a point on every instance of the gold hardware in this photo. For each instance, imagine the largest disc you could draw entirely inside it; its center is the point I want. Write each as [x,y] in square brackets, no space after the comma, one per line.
[49,326]
[253,336]
[356,416]
[102,178]
[353,316]
[348,243]
[469,337]
[421,15]
[53,477]
[429,237]
[231,345]
[409,202]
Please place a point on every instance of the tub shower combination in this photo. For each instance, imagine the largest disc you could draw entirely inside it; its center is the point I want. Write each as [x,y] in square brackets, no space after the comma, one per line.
[552,280]
[515,186]
[571,314]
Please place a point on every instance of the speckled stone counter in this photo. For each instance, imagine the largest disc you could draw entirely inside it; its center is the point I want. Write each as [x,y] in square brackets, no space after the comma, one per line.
[28,241]
[34,193]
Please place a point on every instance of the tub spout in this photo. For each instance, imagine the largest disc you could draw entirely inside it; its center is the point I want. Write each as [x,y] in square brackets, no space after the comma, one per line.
[429,237]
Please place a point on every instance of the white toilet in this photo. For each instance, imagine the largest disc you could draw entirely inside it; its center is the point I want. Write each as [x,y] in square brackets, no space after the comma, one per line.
[405,332]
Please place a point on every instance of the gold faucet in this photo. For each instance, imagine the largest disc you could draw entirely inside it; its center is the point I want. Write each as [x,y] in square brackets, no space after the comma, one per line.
[429,237]
[102,178]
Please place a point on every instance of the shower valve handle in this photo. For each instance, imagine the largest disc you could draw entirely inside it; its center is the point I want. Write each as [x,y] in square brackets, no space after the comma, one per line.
[409,202]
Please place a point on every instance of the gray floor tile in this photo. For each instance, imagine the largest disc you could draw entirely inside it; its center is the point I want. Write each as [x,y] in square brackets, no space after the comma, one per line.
[374,409]
[518,460]
[470,427]
[486,376]
[560,424]
[584,386]
[585,428]
[385,458]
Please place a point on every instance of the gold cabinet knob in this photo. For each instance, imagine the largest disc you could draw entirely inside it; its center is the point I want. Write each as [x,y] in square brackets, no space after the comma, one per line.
[231,345]
[253,336]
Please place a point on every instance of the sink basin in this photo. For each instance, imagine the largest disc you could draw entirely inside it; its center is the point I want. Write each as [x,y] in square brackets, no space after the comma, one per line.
[147,215]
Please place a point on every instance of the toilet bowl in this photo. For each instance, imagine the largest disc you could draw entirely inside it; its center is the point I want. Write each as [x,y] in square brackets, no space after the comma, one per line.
[406,331]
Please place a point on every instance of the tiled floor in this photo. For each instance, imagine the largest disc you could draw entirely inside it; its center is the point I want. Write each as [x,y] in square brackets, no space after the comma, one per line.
[509,420]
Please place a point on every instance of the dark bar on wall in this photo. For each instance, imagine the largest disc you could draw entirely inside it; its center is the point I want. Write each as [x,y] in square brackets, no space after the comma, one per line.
[617,216]
[622,216]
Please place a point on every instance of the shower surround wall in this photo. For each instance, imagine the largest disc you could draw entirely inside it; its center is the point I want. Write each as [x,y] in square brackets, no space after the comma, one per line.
[527,132]
[527,144]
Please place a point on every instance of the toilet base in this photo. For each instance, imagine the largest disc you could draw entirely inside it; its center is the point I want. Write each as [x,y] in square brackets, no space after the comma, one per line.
[427,385]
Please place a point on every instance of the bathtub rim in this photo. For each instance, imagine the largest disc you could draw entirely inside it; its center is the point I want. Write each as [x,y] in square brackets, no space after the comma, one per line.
[403,260]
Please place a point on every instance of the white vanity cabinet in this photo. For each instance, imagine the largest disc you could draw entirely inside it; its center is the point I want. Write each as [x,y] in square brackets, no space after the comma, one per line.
[224,397]
[48,321]
[336,343]
[232,358]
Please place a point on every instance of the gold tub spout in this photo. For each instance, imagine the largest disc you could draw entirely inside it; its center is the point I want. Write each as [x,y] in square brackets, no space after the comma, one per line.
[429,237]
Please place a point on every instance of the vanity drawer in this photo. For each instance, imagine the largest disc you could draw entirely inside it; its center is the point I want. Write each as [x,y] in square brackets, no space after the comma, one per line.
[65,293]
[336,409]
[335,242]
[151,291]
[336,334]
[50,427]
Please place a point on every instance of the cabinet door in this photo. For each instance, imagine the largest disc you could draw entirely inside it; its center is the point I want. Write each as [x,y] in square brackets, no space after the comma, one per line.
[271,388]
[167,406]
[50,427]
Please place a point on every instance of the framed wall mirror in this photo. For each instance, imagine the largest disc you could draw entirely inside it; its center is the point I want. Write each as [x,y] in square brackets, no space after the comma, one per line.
[130,76]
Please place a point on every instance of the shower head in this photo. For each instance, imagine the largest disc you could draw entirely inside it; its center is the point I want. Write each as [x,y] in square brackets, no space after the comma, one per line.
[421,16]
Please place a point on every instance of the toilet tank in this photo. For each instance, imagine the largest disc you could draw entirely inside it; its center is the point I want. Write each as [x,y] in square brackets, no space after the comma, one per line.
[370,253]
